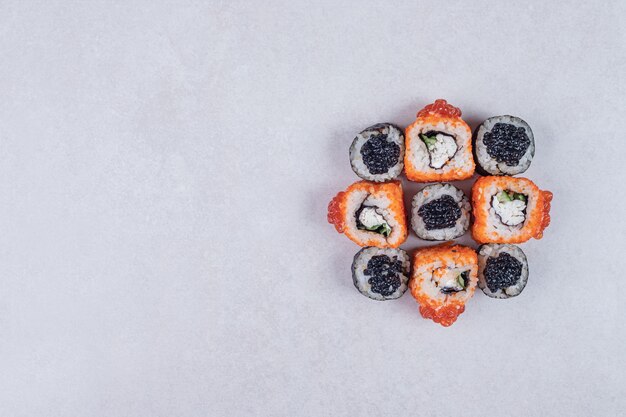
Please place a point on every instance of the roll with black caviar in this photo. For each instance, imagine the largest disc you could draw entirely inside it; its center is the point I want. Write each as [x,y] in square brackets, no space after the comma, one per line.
[503,145]
[377,153]
[440,212]
[381,273]
[502,270]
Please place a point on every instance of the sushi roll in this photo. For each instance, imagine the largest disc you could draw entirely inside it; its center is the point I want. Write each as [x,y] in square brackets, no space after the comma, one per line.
[502,270]
[381,273]
[377,153]
[509,210]
[444,277]
[438,145]
[370,214]
[504,145]
[440,212]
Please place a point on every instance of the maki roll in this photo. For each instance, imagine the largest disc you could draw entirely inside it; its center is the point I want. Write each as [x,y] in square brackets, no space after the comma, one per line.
[502,270]
[504,145]
[440,212]
[444,277]
[381,273]
[438,145]
[377,153]
[509,210]
[370,214]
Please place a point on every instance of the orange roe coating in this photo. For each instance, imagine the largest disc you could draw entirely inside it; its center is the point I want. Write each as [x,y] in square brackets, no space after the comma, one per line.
[334,211]
[547,198]
[445,315]
[338,211]
[433,114]
[440,107]
[536,220]
[444,312]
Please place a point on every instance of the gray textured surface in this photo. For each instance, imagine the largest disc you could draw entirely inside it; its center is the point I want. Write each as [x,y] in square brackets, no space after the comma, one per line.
[164,175]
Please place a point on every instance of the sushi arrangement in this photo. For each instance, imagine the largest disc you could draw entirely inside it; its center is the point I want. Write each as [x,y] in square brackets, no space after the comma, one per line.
[503,210]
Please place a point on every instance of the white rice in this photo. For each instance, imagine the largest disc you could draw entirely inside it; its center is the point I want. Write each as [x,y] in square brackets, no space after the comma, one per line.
[489,164]
[434,192]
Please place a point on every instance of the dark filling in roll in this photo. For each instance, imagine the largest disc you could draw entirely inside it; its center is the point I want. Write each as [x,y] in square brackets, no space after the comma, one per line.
[432,133]
[441,213]
[384,274]
[506,143]
[379,154]
[502,272]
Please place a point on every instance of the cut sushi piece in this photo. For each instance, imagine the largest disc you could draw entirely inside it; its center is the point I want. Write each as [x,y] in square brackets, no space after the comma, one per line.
[444,277]
[502,270]
[377,153]
[509,210]
[438,145]
[504,145]
[370,214]
[440,212]
[381,273]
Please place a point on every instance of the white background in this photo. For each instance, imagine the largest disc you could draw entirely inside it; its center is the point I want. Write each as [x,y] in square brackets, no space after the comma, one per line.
[164,177]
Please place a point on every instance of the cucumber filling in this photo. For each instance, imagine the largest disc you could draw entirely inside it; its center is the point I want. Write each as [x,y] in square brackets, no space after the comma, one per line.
[457,284]
[368,218]
[441,147]
[510,207]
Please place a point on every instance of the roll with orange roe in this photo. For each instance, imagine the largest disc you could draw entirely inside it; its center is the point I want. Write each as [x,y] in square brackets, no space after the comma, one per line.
[509,210]
[444,277]
[370,214]
[438,145]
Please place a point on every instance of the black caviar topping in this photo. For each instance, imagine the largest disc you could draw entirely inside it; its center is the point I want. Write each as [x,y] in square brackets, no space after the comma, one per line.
[502,272]
[506,143]
[379,154]
[441,213]
[384,273]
